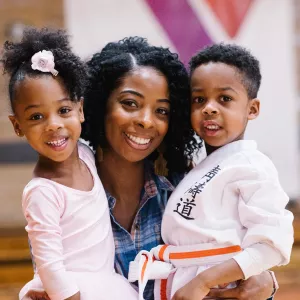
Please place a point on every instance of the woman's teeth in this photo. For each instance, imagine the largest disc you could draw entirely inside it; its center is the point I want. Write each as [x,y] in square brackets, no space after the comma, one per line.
[137,140]
[57,143]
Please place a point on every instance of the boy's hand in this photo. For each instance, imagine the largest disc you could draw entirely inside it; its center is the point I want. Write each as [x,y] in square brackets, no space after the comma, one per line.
[257,287]
[36,295]
[194,290]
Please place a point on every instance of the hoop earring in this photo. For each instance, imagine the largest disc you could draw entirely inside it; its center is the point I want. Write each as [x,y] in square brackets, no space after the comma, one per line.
[160,165]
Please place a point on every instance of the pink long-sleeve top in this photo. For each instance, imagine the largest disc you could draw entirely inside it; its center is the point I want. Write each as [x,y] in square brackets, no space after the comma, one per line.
[69,230]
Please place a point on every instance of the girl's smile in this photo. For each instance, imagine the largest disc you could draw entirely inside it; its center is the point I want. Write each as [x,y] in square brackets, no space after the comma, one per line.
[58,144]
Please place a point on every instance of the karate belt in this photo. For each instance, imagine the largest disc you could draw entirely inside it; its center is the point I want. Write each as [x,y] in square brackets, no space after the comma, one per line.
[162,261]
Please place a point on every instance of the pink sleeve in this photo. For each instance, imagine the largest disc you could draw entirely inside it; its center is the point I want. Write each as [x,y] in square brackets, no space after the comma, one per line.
[87,152]
[42,211]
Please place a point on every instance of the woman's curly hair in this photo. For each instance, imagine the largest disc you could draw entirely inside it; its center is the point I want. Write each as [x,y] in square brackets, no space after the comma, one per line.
[107,69]
[16,60]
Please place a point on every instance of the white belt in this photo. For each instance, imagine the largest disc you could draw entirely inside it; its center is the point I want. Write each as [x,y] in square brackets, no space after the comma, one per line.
[163,260]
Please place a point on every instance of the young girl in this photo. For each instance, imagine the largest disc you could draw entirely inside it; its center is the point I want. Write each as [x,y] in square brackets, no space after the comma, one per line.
[64,204]
[226,220]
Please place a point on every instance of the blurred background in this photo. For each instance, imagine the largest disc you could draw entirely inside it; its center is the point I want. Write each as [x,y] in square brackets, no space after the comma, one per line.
[269,28]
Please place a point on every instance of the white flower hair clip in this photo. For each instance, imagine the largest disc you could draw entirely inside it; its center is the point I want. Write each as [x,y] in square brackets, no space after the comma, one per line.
[44,62]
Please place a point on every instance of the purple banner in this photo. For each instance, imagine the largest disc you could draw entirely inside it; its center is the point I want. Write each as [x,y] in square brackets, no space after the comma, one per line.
[181,25]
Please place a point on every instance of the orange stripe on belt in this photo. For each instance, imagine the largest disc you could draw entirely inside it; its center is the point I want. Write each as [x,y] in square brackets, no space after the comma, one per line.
[203,253]
[161,252]
[163,289]
[144,267]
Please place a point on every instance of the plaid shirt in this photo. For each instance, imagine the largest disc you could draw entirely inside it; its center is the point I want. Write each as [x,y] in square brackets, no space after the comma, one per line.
[145,232]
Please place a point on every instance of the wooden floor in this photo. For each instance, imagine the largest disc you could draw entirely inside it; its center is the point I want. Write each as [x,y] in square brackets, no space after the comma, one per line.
[16,268]
[12,278]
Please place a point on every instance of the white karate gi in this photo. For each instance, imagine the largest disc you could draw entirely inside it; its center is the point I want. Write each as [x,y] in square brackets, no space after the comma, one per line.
[231,200]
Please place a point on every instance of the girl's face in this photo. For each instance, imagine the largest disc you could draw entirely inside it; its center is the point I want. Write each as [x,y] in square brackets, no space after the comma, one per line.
[137,117]
[46,116]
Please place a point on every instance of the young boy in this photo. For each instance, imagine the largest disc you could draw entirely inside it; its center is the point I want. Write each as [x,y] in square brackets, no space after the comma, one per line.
[226,220]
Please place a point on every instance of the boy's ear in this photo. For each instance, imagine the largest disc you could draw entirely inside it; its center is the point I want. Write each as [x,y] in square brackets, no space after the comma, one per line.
[81,113]
[254,107]
[16,125]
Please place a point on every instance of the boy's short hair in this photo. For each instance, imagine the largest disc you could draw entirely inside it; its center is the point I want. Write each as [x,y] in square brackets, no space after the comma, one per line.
[235,56]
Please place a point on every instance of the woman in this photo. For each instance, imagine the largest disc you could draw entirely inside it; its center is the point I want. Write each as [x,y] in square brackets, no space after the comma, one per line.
[137,117]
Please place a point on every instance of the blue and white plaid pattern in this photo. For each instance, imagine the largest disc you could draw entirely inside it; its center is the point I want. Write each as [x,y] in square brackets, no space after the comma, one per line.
[145,233]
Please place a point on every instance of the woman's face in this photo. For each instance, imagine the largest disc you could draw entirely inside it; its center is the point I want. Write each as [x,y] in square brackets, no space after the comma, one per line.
[137,117]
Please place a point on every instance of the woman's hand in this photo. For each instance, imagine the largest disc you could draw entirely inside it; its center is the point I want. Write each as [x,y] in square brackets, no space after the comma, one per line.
[258,287]
[194,290]
[36,295]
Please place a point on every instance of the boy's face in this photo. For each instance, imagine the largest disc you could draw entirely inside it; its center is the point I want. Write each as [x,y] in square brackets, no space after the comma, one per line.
[220,106]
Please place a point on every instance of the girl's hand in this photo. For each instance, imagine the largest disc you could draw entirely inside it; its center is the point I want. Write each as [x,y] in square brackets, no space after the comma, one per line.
[74,297]
[194,290]
[258,287]
[36,295]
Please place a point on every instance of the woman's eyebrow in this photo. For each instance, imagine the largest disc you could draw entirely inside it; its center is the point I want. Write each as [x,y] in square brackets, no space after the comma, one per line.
[197,89]
[142,96]
[164,100]
[132,92]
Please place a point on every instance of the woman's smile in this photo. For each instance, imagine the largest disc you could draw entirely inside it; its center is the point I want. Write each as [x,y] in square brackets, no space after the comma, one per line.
[136,142]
